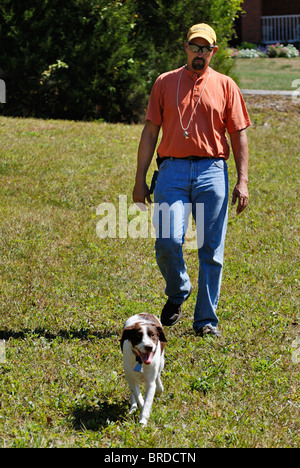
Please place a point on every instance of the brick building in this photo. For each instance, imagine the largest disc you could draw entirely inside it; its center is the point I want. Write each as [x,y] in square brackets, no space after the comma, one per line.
[270,21]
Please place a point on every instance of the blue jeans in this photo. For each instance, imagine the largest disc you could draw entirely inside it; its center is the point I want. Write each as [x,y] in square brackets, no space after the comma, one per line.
[185,186]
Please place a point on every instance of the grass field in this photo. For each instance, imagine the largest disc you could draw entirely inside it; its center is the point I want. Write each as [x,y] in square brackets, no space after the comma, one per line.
[265,73]
[65,294]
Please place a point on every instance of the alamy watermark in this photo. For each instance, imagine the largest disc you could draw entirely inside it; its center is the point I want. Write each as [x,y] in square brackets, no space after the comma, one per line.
[296,351]
[296,93]
[157,220]
[2,352]
[2,92]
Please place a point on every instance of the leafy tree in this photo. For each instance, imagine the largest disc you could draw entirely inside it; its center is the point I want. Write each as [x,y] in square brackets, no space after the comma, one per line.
[85,59]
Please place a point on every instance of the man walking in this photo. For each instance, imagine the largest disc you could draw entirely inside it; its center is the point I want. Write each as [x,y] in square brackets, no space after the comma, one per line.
[194,105]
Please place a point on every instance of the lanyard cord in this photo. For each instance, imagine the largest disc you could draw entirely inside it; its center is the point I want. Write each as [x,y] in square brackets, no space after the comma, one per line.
[180,117]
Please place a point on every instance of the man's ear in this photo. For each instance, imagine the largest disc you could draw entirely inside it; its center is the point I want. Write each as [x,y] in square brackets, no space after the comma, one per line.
[215,50]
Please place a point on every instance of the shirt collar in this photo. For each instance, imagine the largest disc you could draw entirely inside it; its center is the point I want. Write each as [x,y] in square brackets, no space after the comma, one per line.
[193,76]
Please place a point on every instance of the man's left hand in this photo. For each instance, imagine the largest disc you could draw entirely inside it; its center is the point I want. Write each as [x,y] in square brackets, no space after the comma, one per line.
[241,194]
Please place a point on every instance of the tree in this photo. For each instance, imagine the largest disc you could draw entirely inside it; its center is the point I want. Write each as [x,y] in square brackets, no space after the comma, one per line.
[85,59]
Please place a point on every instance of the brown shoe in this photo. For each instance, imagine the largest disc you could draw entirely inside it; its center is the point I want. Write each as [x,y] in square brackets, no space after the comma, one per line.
[208,330]
[171,313]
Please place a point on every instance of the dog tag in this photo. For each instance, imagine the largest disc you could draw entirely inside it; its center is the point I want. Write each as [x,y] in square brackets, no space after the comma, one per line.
[138,368]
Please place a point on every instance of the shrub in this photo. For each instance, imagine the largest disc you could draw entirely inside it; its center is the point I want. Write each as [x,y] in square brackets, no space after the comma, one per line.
[247,45]
[274,50]
[82,59]
[279,50]
[249,53]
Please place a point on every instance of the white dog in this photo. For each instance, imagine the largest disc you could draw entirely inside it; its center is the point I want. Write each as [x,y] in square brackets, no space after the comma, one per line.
[142,342]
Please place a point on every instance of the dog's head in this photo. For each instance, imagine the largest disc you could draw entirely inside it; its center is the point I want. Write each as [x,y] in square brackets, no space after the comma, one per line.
[144,338]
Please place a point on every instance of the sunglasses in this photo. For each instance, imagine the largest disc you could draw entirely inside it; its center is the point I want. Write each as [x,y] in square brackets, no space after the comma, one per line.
[196,48]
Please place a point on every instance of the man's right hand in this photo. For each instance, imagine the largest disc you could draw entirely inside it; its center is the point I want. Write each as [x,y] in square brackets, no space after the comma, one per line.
[141,195]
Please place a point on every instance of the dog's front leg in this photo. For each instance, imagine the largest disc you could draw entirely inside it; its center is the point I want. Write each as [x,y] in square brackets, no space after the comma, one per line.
[149,397]
[136,398]
[159,386]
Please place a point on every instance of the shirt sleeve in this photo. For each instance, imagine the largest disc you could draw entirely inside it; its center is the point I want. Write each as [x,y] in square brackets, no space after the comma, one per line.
[237,114]
[155,105]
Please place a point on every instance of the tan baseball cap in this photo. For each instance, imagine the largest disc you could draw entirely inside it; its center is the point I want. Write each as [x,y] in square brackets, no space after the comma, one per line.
[202,30]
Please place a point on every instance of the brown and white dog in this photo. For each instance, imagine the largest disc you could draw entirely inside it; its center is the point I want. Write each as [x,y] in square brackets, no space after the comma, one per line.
[142,342]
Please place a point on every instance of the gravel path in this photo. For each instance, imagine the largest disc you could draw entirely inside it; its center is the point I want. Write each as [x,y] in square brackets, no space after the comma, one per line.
[266,92]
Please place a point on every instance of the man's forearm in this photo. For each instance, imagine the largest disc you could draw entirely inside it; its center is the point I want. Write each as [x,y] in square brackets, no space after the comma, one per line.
[146,149]
[145,154]
[239,143]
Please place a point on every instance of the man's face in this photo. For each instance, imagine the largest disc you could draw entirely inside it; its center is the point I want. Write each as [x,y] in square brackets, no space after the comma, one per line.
[199,61]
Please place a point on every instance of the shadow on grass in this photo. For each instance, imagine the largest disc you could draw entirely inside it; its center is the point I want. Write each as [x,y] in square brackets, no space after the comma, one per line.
[99,416]
[82,334]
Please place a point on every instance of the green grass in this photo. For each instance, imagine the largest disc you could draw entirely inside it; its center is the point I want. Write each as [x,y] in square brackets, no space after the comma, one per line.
[266,73]
[65,294]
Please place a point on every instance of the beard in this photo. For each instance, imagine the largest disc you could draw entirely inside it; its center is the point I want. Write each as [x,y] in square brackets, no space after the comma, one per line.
[198,63]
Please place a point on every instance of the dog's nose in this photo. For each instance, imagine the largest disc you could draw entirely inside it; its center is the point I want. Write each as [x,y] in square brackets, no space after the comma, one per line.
[148,348]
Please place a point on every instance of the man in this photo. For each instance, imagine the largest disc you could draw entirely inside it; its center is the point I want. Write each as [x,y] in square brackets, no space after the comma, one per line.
[195,106]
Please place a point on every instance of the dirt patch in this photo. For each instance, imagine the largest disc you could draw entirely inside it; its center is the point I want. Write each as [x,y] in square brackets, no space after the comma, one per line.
[278,103]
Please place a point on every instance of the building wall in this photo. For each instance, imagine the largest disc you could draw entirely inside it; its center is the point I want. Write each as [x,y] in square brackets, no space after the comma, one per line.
[277,7]
[251,21]
[249,24]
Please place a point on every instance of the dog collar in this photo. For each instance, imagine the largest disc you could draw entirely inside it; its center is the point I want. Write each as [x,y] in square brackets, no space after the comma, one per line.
[139,366]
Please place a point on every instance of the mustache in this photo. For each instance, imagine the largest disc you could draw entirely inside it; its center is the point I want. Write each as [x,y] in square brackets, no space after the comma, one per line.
[198,63]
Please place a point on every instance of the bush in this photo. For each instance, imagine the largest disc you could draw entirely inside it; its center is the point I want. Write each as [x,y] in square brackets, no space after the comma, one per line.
[82,59]
[249,53]
[279,50]
[247,45]
[275,50]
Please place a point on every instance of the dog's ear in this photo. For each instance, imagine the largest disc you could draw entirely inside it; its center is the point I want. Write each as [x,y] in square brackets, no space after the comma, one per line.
[161,334]
[126,335]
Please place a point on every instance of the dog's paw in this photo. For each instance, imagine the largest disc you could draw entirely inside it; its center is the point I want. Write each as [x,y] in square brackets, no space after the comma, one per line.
[133,408]
[143,422]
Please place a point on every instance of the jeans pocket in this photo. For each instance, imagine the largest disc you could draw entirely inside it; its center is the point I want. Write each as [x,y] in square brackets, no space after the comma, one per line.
[164,165]
[221,164]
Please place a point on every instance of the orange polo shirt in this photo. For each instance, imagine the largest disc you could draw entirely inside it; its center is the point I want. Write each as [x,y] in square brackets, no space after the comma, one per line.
[221,107]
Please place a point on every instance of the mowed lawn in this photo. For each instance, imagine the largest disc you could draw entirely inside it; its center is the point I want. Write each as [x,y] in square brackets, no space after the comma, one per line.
[65,294]
[268,73]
